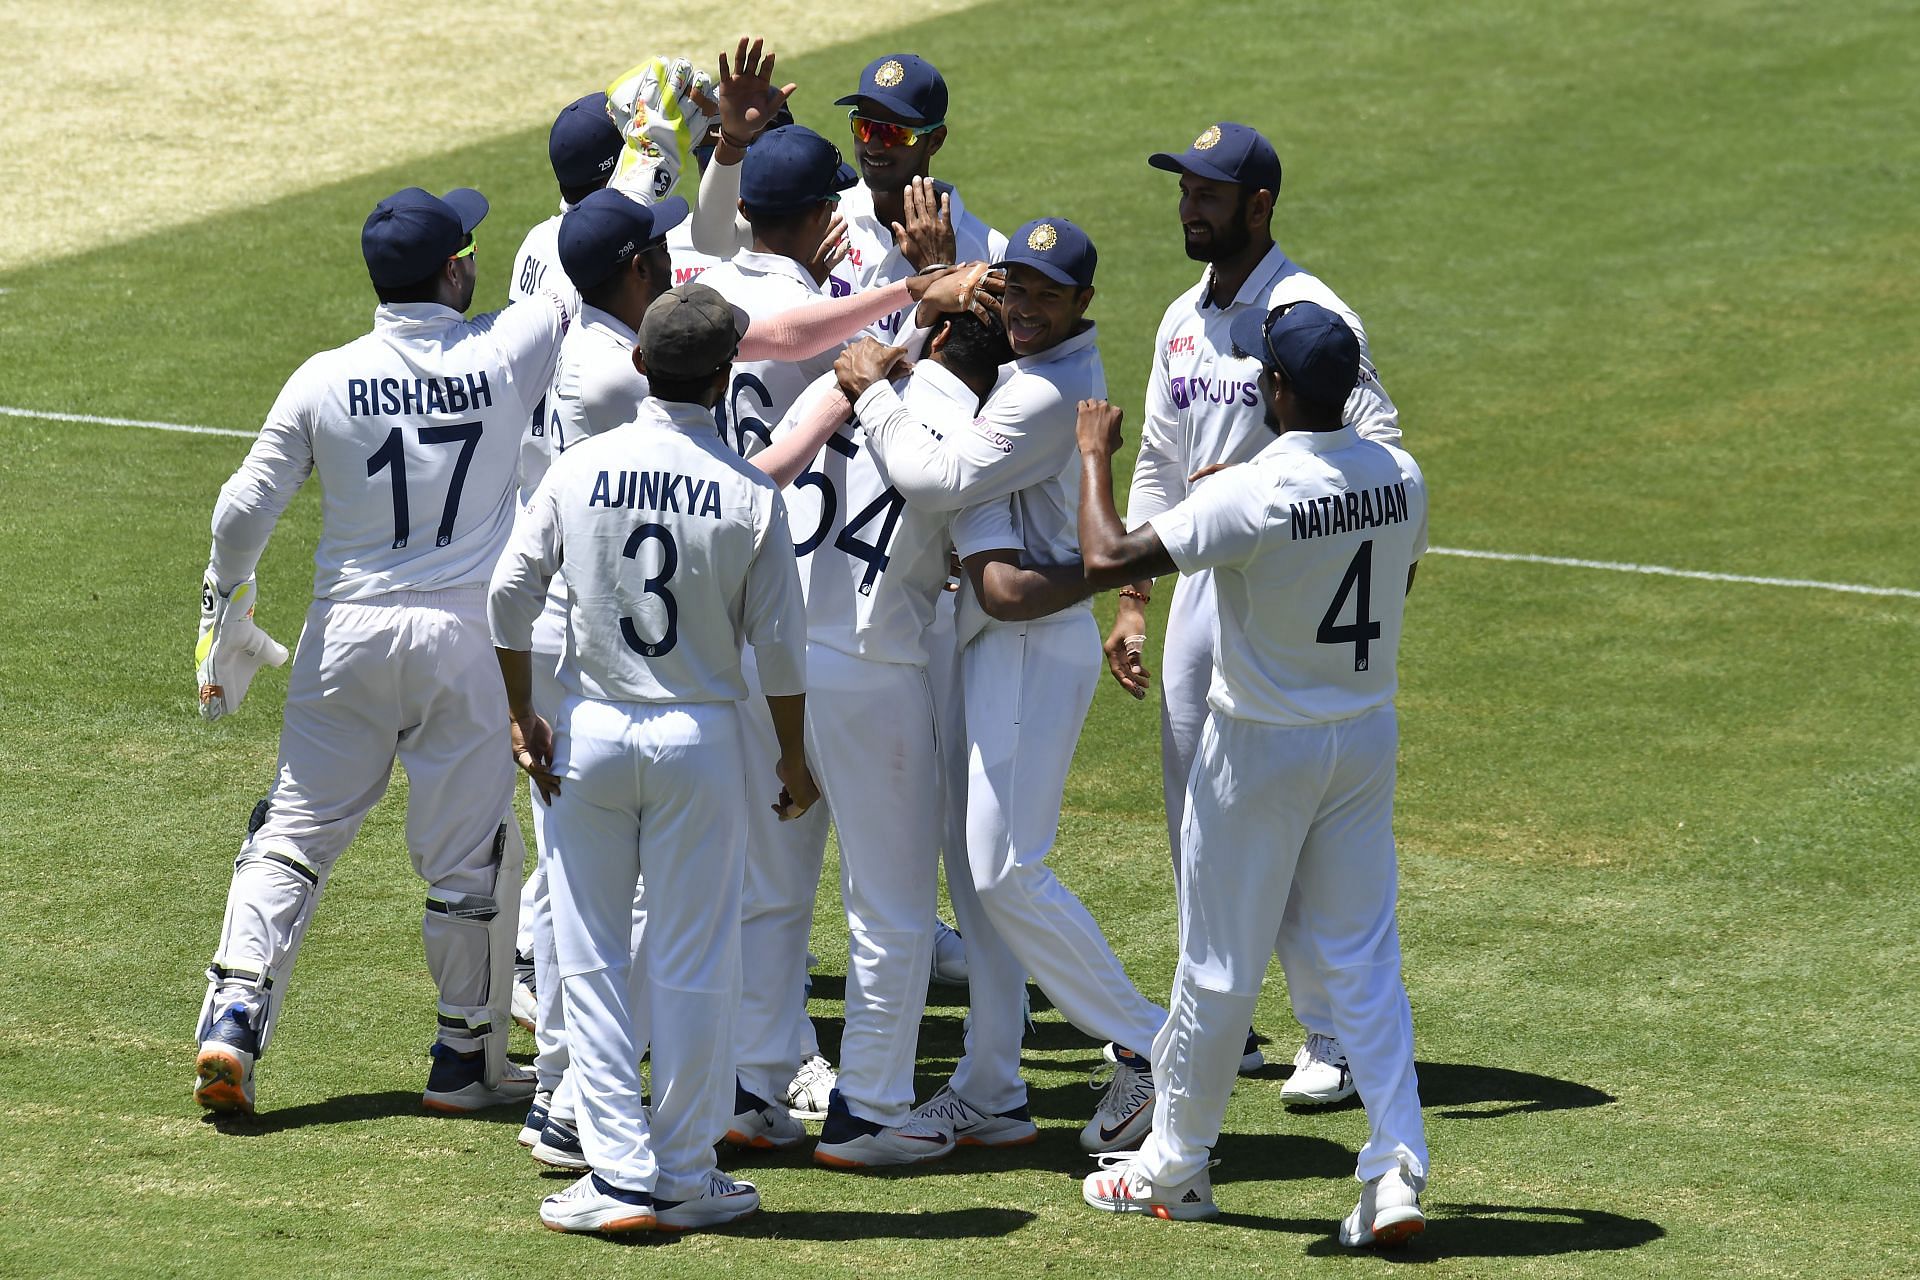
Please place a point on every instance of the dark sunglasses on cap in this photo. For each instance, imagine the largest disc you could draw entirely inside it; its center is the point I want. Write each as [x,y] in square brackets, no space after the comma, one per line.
[889,134]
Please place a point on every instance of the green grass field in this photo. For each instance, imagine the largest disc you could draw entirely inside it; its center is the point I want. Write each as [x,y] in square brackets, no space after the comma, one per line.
[1638,277]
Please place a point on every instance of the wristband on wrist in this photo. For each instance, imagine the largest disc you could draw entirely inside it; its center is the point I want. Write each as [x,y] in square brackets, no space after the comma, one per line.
[734,142]
[1134,593]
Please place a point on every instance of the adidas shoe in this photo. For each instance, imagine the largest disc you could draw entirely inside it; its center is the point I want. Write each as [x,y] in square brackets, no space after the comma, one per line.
[1388,1214]
[526,1003]
[536,1118]
[1124,1116]
[949,955]
[458,1083]
[223,1071]
[811,1089]
[594,1204]
[1320,1076]
[723,1199]
[848,1142]
[558,1147]
[969,1126]
[1122,1186]
[760,1125]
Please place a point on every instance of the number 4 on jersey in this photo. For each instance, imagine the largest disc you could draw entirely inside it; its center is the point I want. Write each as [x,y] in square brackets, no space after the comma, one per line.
[1357,583]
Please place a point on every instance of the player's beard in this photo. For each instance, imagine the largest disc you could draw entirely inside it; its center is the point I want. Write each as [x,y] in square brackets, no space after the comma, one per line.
[1222,244]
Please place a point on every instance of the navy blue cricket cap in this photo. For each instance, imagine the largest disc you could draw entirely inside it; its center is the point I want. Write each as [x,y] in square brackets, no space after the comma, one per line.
[1226,152]
[603,232]
[584,142]
[905,84]
[790,168]
[1056,248]
[1313,348]
[412,232]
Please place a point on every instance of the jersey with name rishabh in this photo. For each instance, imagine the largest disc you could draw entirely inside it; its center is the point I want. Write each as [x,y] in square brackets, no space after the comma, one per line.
[1203,404]
[675,550]
[760,392]
[1310,543]
[415,431]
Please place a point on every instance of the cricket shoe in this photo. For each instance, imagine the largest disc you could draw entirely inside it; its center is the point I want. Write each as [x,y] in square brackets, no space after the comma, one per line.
[1122,1186]
[458,1083]
[1388,1214]
[722,1200]
[1251,1059]
[949,955]
[223,1071]
[1320,1076]
[594,1204]
[969,1126]
[759,1124]
[558,1147]
[811,1089]
[1124,1116]
[536,1118]
[526,1002]
[848,1142]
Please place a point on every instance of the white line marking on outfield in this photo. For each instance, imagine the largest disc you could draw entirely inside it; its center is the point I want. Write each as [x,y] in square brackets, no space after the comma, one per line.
[12,412]
[1665,572]
[1565,562]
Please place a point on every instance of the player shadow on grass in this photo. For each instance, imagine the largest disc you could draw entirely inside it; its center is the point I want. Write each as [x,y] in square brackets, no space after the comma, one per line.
[1465,1091]
[851,1225]
[347,1108]
[1482,1231]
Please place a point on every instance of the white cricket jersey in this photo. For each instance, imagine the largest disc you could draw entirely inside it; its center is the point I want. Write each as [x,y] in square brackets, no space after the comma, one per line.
[872,566]
[760,392]
[1022,437]
[1309,542]
[415,430]
[688,262]
[675,551]
[537,268]
[876,260]
[1203,405]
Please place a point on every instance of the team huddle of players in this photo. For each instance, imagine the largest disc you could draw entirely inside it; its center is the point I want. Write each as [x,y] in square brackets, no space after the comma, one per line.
[786,506]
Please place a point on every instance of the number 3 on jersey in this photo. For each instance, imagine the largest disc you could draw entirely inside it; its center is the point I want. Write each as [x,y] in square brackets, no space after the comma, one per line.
[1357,583]
[654,586]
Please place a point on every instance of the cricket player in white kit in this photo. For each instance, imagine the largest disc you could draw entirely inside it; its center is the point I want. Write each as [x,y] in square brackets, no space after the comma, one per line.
[415,430]
[675,551]
[1027,687]
[1287,843]
[1202,411]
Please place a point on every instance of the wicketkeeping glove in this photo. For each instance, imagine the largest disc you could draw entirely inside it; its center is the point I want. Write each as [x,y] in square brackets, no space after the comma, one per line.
[658,107]
[231,648]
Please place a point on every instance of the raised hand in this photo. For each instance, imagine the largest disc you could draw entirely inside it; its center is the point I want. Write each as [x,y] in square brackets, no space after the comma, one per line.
[1098,427]
[748,100]
[926,237]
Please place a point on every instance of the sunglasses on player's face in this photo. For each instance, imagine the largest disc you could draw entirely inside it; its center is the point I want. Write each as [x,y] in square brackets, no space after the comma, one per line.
[467,252]
[889,134]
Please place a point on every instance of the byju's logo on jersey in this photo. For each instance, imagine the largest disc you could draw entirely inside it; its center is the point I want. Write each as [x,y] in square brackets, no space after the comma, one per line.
[1188,392]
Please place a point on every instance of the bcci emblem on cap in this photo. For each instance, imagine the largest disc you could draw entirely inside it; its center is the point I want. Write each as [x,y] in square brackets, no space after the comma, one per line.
[1043,237]
[1208,140]
[890,74]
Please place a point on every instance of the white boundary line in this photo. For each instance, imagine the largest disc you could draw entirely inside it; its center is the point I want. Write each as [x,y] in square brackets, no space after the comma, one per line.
[1664,572]
[10,411]
[1564,562]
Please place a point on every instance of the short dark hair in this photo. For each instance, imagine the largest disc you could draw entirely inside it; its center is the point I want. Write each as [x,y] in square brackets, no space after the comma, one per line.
[427,290]
[574,195]
[764,220]
[974,345]
[684,390]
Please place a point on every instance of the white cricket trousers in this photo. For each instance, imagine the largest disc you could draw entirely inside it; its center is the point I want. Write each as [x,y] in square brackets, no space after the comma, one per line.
[649,789]
[772,1034]
[536,909]
[1027,689]
[1186,673]
[1273,811]
[408,673]
[870,742]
